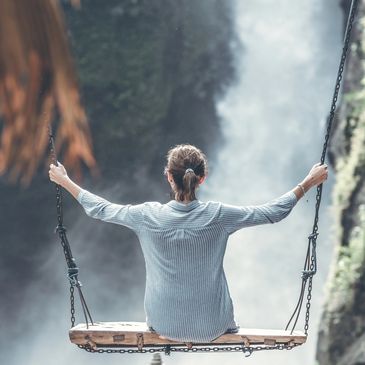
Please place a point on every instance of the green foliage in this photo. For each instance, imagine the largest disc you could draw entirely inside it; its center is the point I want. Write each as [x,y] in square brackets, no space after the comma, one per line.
[350,168]
[351,260]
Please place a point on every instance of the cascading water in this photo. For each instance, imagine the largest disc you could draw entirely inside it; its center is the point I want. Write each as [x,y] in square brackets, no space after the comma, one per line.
[273,117]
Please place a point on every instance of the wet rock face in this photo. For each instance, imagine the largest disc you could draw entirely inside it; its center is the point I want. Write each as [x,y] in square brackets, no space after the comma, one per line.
[341,338]
[150,74]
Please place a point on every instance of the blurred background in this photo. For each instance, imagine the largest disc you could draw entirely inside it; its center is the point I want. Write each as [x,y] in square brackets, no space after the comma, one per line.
[250,83]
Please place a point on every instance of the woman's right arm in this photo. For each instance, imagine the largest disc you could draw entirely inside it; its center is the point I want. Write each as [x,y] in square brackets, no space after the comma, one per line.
[316,176]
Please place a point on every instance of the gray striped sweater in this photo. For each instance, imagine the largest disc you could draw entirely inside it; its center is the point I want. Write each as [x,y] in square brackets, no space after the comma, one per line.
[187,297]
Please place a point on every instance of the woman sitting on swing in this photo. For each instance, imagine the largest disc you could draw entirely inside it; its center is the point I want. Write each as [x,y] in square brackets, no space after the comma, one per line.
[184,242]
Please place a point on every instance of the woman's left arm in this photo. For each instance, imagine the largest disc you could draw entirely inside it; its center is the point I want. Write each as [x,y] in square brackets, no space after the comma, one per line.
[58,175]
[96,206]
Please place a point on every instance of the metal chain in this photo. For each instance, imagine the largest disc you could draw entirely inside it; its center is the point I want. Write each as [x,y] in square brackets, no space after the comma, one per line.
[310,265]
[313,264]
[247,350]
[73,270]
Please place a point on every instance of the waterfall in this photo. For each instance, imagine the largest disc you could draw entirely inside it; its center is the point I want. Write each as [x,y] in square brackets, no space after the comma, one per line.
[273,118]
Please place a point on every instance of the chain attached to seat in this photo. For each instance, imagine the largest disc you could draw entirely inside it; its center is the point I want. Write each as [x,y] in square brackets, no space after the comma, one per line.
[310,264]
[168,349]
[72,269]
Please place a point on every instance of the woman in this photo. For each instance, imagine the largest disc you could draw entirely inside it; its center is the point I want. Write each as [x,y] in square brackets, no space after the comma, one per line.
[184,242]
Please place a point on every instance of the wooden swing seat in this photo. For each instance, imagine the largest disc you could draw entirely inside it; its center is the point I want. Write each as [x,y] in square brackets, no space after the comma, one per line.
[138,335]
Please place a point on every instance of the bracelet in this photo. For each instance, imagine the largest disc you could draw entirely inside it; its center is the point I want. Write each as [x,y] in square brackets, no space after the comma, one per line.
[301,186]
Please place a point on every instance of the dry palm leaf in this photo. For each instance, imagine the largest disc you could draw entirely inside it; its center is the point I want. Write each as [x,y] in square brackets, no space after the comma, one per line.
[38,86]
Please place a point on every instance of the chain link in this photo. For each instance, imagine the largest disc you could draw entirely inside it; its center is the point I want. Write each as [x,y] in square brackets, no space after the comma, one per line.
[72,303]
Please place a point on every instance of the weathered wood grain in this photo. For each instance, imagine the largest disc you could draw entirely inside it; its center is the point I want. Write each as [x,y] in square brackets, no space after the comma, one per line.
[137,334]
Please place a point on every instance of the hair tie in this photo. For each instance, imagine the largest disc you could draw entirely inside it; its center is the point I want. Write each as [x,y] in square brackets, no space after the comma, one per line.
[189,170]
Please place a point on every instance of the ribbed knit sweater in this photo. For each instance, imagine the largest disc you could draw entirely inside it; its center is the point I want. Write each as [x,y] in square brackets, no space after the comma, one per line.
[187,297]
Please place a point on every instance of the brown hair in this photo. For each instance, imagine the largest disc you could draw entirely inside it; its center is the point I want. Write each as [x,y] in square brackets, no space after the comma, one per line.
[187,165]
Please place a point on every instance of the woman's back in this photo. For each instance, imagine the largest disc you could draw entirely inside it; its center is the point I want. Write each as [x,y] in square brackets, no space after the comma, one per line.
[186,296]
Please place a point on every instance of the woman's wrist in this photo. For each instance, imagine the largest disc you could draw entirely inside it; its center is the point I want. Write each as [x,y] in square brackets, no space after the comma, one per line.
[303,191]
[302,188]
[65,181]
[306,184]
[71,187]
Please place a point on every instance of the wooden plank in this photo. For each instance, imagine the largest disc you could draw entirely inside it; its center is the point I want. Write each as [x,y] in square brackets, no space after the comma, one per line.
[133,334]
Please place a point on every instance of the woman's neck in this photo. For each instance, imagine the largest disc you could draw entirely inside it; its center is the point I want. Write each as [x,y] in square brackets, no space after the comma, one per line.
[185,201]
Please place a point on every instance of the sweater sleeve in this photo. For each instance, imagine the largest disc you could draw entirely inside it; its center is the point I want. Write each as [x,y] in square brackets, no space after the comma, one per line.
[234,218]
[99,208]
